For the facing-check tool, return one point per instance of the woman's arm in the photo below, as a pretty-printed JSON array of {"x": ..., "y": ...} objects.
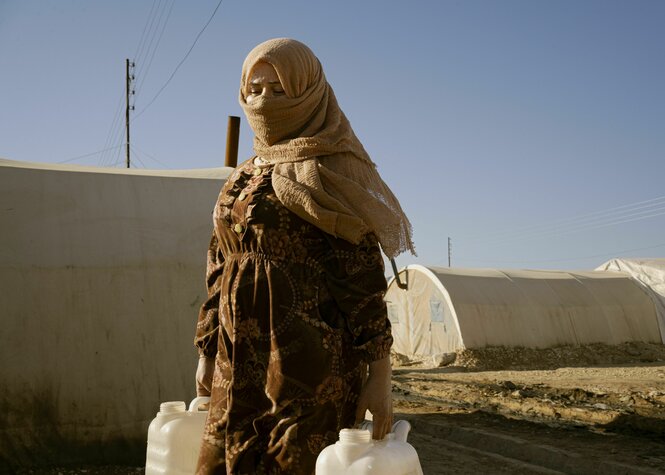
[
  {"x": 204, "y": 373},
  {"x": 356, "y": 280},
  {"x": 376, "y": 395},
  {"x": 207, "y": 327}
]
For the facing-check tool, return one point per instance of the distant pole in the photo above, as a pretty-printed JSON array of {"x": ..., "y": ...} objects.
[
  {"x": 232, "y": 135},
  {"x": 450, "y": 248},
  {"x": 129, "y": 78}
]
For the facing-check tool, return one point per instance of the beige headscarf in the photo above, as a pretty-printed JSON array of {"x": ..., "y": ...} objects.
[{"x": 322, "y": 173}]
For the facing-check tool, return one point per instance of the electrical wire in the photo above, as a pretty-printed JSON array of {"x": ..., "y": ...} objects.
[
  {"x": 137, "y": 157},
  {"x": 122, "y": 144},
  {"x": 114, "y": 164},
  {"x": 86, "y": 155},
  {"x": 155, "y": 30},
  {"x": 180, "y": 63},
  {"x": 646, "y": 214},
  {"x": 112, "y": 133},
  {"x": 564, "y": 221},
  {"x": 116, "y": 125},
  {"x": 118, "y": 139},
  {"x": 595, "y": 256},
  {"x": 149, "y": 156},
  {"x": 145, "y": 49},
  {"x": 148, "y": 31},
  {"x": 609, "y": 217},
  {"x": 144, "y": 72},
  {"x": 145, "y": 28},
  {"x": 156, "y": 20}
]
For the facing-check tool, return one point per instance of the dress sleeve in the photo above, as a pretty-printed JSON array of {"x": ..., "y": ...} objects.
[
  {"x": 356, "y": 280},
  {"x": 207, "y": 327}
]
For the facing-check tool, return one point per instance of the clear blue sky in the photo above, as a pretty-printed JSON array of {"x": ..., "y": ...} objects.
[{"x": 526, "y": 130}]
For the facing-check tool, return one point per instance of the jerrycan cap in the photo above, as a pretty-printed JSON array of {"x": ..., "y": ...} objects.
[
  {"x": 355, "y": 436},
  {"x": 172, "y": 407}
]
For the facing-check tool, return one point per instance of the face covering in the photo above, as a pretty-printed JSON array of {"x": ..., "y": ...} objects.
[{"x": 322, "y": 173}]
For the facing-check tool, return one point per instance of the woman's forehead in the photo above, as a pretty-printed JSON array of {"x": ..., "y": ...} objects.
[
  {"x": 263, "y": 71},
  {"x": 296, "y": 66}
]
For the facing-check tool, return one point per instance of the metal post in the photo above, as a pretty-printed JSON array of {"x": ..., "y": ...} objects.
[{"x": 232, "y": 135}]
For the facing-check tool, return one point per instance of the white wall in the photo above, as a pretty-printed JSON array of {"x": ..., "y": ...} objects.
[{"x": 101, "y": 277}]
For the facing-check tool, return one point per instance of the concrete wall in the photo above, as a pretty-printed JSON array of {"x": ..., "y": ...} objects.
[{"x": 101, "y": 277}]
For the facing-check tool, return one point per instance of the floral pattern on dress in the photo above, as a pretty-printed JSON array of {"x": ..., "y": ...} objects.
[{"x": 293, "y": 317}]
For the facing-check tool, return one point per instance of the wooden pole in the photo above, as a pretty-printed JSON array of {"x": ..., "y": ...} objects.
[
  {"x": 232, "y": 136},
  {"x": 450, "y": 249},
  {"x": 127, "y": 82}
]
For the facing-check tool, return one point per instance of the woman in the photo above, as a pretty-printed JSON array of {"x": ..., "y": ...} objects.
[{"x": 295, "y": 313}]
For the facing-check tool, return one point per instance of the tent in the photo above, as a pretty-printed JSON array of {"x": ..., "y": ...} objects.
[
  {"x": 443, "y": 310},
  {"x": 102, "y": 272},
  {"x": 650, "y": 273}
]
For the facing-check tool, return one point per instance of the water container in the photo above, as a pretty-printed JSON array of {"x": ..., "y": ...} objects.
[
  {"x": 174, "y": 438},
  {"x": 357, "y": 454}
]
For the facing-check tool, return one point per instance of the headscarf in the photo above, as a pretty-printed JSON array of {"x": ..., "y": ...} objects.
[{"x": 321, "y": 171}]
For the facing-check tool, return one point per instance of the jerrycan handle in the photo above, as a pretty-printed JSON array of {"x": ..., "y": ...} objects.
[
  {"x": 197, "y": 402},
  {"x": 399, "y": 431}
]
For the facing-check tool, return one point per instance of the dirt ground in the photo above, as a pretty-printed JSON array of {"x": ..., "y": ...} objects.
[
  {"x": 602, "y": 388},
  {"x": 580, "y": 410},
  {"x": 603, "y": 405}
]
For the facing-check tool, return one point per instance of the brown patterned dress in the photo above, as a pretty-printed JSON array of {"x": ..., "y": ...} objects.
[{"x": 293, "y": 317}]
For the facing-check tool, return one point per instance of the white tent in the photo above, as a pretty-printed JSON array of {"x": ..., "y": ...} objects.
[
  {"x": 102, "y": 273},
  {"x": 648, "y": 272},
  {"x": 445, "y": 310}
]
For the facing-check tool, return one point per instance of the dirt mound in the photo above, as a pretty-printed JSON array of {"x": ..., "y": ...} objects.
[
  {"x": 597, "y": 354},
  {"x": 496, "y": 358}
]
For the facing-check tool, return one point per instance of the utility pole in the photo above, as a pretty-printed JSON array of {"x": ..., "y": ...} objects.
[
  {"x": 450, "y": 248},
  {"x": 129, "y": 82}
]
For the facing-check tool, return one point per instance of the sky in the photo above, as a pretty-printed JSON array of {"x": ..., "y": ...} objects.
[{"x": 529, "y": 132}]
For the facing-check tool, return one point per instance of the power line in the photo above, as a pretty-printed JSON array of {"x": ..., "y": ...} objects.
[
  {"x": 116, "y": 129},
  {"x": 88, "y": 154},
  {"x": 564, "y": 221},
  {"x": 135, "y": 148},
  {"x": 114, "y": 164},
  {"x": 150, "y": 31},
  {"x": 144, "y": 73},
  {"x": 609, "y": 217},
  {"x": 147, "y": 28},
  {"x": 611, "y": 221},
  {"x": 110, "y": 137},
  {"x": 137, "y": 157},
  {"x": 595, "y": 256},
  {"x": 120, "y": 145},
  {"x": 181, "y": 61}
]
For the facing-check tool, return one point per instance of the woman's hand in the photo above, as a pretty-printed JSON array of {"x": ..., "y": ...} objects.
[
  {"x": 376, "y": 395},
  {"x": 204, "y": 373}
]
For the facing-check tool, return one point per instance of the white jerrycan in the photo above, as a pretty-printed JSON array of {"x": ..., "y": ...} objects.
[
  {"x": 174, "y": 438},
  {"x": 357, "y": 454}
]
